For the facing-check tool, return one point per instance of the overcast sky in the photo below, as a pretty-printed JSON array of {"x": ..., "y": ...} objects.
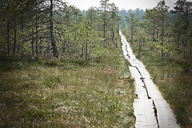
[{"x": 122, "y": 4}]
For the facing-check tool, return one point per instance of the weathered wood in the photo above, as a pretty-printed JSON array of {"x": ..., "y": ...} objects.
[
  {"x": 144, "y": 113},
  {"x": 140, "y": 91},
  {"x": 144, "y": 72},
  {"x": 166, "y": 118},
  {"x": 152, "y": 89},
  {"x": 140, "y": 63},
  {"x": 133, "y": 63},
  {"x": 148, "y": 95}
]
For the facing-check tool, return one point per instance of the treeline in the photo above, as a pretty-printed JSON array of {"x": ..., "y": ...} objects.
[
  {"x": 139, "y": 13},
  {"x": 53, "y": 28},
  {"x": 163, "y": 33},
  {"x": 125, "y": 13}
]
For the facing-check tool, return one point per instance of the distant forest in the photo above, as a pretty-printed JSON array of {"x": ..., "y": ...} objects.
[
  {"x": 138, "y": 12},
  {"x": 122, "y": 13}
]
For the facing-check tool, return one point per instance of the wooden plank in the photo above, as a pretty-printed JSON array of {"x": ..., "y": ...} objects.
[
  {"x": 134, "y": 72},
  {"x": 144, "y": 72},
  {"x": 140, "y": 91},
  {"x": 133, "y": 63},
  {"x": 140, "y": 63},
  {"x": 144, "y": 113},
  {"x": 165, "y": 115},
  {"x": 130, "y": 52},
  {"x": 146, "y": 126},
  {"x": 152, "y": 89}
]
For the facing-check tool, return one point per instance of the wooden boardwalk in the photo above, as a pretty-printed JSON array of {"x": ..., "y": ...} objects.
[{"x": 150, "y": 108}]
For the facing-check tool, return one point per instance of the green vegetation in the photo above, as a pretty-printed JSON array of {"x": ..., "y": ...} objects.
[
  {"x": 163, "y": 43},
  {"x": 174, "y": 83},
  {"x": 164, "y": 47},
  {"x": 66, "y": 92},
  {"x": 161, "y": 33},
  {"x": 53, "y": 29},
  {"x": 60, "y": 67}
]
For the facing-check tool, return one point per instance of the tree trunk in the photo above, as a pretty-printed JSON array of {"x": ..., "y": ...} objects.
[
  {"x": 132, "y": 31},
  {"x": 140, "y": 45},
  {"x": 162, "y": 43},
  {"x": 40, "y": 47},
  {"x": 112, "y": 35},
  {"x": 82, "y": 51},
  {"x": 8, "y": 27},
  {"x": 54, "y": 47},
  {"x": 153, "y": 35},
  {"x": 64, "y": 46},
  {"x": 184, "y": 50},
  {"x": 91, "y": 19},
  {"x": 22, "y": 42},
  {"x": 86, "y": 48},
  {"x": 32, "y": 42},
  {"x": 157, "y": 31},
  {"x": 104, "y": 26},
  {"x": 15, "y": 38},
  {"x": 36, "y": 34}
]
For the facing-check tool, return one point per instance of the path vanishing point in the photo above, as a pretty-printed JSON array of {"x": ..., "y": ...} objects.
[{"x": 150, "y": 108}]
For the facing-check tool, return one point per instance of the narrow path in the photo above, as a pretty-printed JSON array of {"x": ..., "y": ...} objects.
[{"x": 150, "y": 108}]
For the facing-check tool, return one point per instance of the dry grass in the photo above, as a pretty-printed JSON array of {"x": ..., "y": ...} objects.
[
  {"x": 176, "y": 86},
  {"x": 65, "y": 93}
]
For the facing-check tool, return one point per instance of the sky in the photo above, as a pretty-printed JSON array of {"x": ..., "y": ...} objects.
[{"x": 121, "y": 4}]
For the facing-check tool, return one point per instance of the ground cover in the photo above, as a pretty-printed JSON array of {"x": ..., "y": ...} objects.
[{"x": 66, "y": 92}]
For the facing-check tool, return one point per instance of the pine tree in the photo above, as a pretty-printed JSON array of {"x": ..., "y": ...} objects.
[
  {"x": 134, "y": 22},
  {"x": 162, "y": 10}
]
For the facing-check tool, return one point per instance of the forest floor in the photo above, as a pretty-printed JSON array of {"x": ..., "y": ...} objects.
[
  {"x": 174, "y": 83},
  {"x": 66, "y": 92}
]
